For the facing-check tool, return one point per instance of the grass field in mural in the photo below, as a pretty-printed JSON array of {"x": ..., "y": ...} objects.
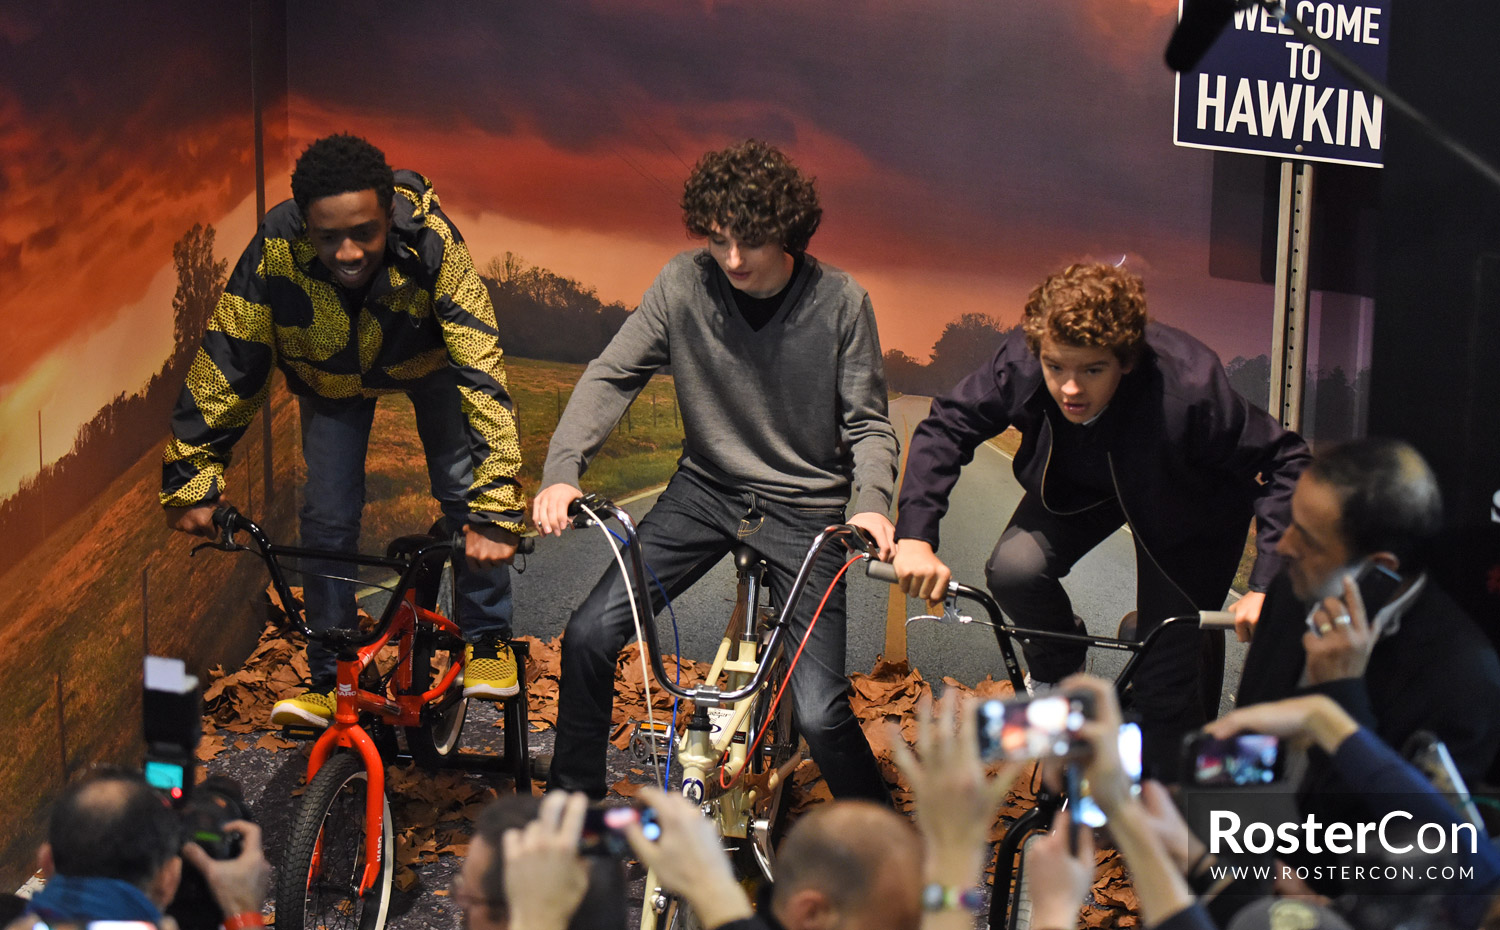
[
  {"x": 642, "y": 453},
  {"x": 72, "y": 610},
  {"x": 78, "y": 611}
]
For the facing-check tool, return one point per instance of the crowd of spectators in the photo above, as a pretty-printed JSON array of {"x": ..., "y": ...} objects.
[{"x": 1341, "y": 685}]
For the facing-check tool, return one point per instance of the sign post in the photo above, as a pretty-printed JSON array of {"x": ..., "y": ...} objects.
[{"x": 1261, "y": 89}]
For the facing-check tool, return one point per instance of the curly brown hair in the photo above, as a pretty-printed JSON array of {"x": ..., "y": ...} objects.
[
  {"x": 1091, "y": 304},
  {"x": 755, "y": 193}
]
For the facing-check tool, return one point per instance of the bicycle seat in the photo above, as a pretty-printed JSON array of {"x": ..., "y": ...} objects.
[{"x": 745, "y": 557}]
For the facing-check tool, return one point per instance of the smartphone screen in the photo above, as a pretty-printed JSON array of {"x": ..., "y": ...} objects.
[
  {"x": 602, "y": 829},
  {"x": 1244, "y": 759},
  {"x": 1088, "y": 813},
  {"x": 1031, "y": 728}
]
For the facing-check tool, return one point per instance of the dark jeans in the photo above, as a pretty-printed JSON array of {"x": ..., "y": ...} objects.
[
  {"x": 335, "y": 436},
  {"x": 691, "y": 527},
  {"x": 1024, "y": 574}
]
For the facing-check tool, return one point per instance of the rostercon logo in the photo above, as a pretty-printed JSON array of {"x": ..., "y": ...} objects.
[{"x": 1392, "y": 832}]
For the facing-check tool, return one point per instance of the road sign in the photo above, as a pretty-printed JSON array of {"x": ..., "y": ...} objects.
[{"x": 1261, "y": 89}]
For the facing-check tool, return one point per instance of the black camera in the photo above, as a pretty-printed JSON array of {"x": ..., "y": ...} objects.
[{"x": 173, "y": 720}]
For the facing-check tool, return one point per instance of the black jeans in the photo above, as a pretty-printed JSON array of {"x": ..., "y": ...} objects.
[
  {"x": 1039, "y": 548},
  {"x": 691, "y": 527}
]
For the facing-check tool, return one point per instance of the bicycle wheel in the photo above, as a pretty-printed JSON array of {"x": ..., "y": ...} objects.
[
  {"x": 317, "y": 887},
  {"x": 433, "y": 651}
]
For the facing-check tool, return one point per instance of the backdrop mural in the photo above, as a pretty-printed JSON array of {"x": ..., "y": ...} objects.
[{"x": 963, "y": 150}]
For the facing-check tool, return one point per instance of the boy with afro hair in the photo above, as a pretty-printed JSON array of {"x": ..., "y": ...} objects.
[
  {"x": 356, "y": 287},
  {"x": 783, "y": 398}
]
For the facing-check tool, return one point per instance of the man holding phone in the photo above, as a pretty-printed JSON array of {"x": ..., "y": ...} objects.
[{"x": 1353, "y": 615}]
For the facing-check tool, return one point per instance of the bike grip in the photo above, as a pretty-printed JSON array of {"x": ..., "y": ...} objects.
[
  {"x": 223, "y": 514},
  {"x": 526, "y": 546},
  {"x": 881, "y": 571},
  {"x": 1215, "y": 620}
]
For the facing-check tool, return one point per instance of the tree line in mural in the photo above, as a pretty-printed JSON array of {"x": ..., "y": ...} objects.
[{"x": 541, "y": 314}]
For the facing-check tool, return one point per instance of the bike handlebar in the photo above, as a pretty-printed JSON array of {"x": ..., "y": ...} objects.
[
  {"x": 230, "y": 522},
  {"x": 853, "y": 539},
  {"x": 1207, "y": 619},
  {"x": 1007, "y": 632}
]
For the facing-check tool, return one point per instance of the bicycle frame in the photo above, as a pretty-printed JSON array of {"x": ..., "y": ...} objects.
[
  {"x": 705, "y": 696},
  {"x": 745, "y": 661},
  {"x": 1006, "y": 634},
  {"x": 357, "y": 651}
]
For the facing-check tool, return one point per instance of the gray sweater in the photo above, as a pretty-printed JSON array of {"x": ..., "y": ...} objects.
[{"x": 792, "y": 412}]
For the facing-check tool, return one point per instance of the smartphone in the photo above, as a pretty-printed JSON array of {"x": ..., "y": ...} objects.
[
  {"x": 1240, "y": 760},
  {"x": 1376, "y": 583},
  {"x": 1377, "y": 586},
  {"x": 603, "y": 829},
  {"x": 1031, "y": 728},
  {"x": 1087, "y": 813}
]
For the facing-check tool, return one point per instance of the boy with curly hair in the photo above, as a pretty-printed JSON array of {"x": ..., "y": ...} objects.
[
  {"x": 782, "y": 391},
  {"x": 1122, "y": 421},
  {"x": 356, "y": 287}
]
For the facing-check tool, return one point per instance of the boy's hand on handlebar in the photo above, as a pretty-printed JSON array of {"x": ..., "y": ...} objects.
[
  {"x": 920, "y": 573},
  {"x": 549, "y": 509},
  {"x": 486, "y": 546},
  {"x": 880, "y": 529},
  {"x": 1246, "y": 612},
  {"x": 198, "y": 520}
]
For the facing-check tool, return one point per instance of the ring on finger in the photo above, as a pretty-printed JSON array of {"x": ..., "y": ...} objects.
[
  {"x": 1325, "y": 628},
  {"x": 1343, "y": 620}
]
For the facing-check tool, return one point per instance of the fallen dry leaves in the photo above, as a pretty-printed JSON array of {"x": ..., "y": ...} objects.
[{"x": 433, "y": 811}]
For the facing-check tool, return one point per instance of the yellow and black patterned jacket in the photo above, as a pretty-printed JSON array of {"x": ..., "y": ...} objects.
[{"x": 426, "y": 309}]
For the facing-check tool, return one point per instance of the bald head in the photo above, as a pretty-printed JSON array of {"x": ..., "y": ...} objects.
[
  {"x": 113, "y": 825},
  {"x": 862, "y": 860}
]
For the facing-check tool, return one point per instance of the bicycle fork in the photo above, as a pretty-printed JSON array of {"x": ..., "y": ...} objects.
[{"x": 346, "y": 732}]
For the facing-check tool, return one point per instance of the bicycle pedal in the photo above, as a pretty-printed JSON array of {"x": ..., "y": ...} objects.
[
  {"x": 301, "y": 733},
  {"x": 650, "y": 738}
]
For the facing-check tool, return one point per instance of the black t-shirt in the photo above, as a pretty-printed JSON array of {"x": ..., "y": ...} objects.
[
  {"x": 757, "y": 311},
  {"x": 1078, "y": 471}
]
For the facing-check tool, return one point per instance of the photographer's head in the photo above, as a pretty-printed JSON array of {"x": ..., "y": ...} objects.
[
  {"x": 479, "y": 887},
  {"x": 110, "y": 833},
  {"x": 849, "y": 864},
  {"x": 1370, "y": 498}
]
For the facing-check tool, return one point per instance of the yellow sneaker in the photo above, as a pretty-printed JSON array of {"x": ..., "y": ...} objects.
[
  {"x": 310, "y": 708},
  {"x": 490, "y": 670}
]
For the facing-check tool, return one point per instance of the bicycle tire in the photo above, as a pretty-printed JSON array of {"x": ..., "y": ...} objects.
[
  {"x": 1018, "y": 898},
  {"x": 328, "y": 829},
  {"x": 679, "y": 916},
  {"x": 442, "y": 724}
]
